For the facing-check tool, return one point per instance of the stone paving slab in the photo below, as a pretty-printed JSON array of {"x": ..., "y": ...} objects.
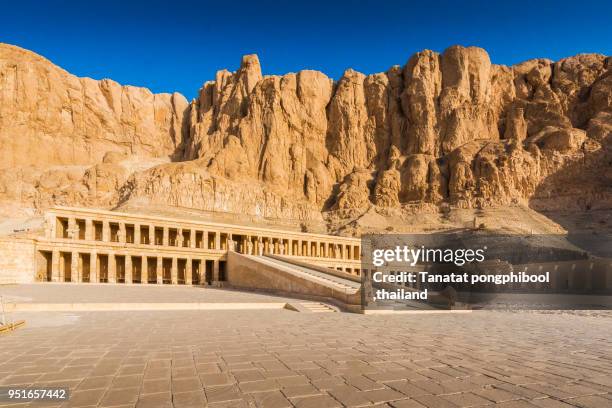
[
  {"x": 133, "y": 306},
  {"x": 128, "y": 293},
  {"x": 278, "y": 358}
]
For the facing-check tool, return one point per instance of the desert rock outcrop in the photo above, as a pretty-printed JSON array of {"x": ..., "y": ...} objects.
[{"x": 50, "y": 117}]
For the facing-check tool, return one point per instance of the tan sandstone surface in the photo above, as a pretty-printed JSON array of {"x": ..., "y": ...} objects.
[{"x": 444, "y": 141}]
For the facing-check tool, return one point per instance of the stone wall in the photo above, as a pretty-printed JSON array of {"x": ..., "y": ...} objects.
[
  {"x": 247, "y": 273},
  {"x": 17, "y": 261}
]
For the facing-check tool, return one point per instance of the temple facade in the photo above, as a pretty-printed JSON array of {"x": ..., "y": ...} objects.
[{"x": 87, "y": 245}]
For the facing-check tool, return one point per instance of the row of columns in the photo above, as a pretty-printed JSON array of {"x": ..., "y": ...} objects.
[
  {"x": 247, "y": 244},
  {"x": 74, "y": 226},
  {"x": 257, "y": 245},
  {"x": 104, "y": 265}
]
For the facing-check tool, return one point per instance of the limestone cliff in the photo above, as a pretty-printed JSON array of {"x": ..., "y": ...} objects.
[
  {"x": 50, "y": 117},
  {"x": 447, "y": 129}
]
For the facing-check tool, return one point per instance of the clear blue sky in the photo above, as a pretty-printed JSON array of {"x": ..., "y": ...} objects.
[{"x": 177, "y": 45}]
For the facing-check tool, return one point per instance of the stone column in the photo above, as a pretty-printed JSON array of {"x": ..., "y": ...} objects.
[
  {"x": 217, "y": 240},
  {"x": 205, "y": 239},
  {"x": 179, "y": 237},
  {"x": 215, "y": 271},
  {"x": 112, "y": 268},
  {"x": 75, "y": 275},
  {"x": 55, "y": 266},
  {"x": 160, "y": 271},
  {"x": 62, "y": 268},
  {"x": 144, "y": 271},
  {"x": 89, "y": 229},
  {"x": 105, "y": 231},
  {"x": 121, "y": 233},
  {"x": 192, "y": 238},
  {"x": 174, "y": 271},
  {"x": 93, "y": 267},
  {"x": 128, "y": 269},
  {"x": 137, "y": 234},
  {"x": 188, "y": 271},
  {"x": 151, "y": 234},
  {"x": 166, "y": 236},
  {"x": 608, "y": 271},
  {"x": 202, "y": 271},
  {"x": 73, "y": 229}
]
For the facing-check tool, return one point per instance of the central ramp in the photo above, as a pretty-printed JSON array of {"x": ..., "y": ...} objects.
[
  {"x": 315, "y": 274},
  {"x": 283, "y": 277}
]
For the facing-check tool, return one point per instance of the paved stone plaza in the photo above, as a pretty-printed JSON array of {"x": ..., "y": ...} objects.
[
  {"x": 280, "y": 358},
  {"x": 93, "y": 293}
]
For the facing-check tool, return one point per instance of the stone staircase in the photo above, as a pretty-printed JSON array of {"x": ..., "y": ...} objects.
[{"x": 315, "y": 307}]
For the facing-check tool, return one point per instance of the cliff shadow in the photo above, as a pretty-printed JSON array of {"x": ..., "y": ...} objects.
[{"x": 578, "y": 197}]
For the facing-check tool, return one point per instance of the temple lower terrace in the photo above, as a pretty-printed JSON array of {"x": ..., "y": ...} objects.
[{"x": 83, "y": 245}]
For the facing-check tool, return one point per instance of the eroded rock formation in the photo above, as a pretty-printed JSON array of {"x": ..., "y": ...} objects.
[{"x": 445, "y": 129}]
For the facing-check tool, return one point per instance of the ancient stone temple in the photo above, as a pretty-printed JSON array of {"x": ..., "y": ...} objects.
[{"x": 85, "y": 245}]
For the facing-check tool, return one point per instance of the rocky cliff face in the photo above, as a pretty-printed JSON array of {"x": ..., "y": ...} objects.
[
  {"x": 50, "y": 117},
  {"x": 446, "y": 129}
]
